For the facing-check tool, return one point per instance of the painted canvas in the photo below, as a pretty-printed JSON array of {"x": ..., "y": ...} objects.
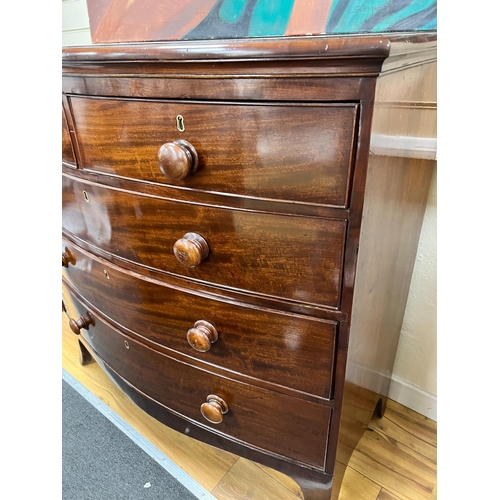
[{"x": 149, "y": 20}]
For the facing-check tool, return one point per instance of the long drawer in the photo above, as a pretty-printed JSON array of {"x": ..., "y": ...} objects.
[
  {"x": 284, "y": 349},
  {"x": 291, "y": 257},
  {"x": 287, "y": 152},
  {"x": 254, "y": 415}
]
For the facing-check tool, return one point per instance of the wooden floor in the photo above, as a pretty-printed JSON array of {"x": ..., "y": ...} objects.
[{"x": 395, "y": 459}]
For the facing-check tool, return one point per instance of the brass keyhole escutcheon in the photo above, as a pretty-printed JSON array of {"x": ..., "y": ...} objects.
[
  {"x": 106, "y": 274},
  {"x": 86, "y": 196},
  {"x": 180, "y": 123},
  {"x": 126, "y": 344}
]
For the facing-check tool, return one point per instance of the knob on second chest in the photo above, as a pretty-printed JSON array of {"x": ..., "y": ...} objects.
[
  {"x": 191, "y": 249},
  {"x": 82, "y": 322},
  {"x": 177, "y": 159},
  {"x": 214, "y": 409},
  {"x": 202, "y": 335}
]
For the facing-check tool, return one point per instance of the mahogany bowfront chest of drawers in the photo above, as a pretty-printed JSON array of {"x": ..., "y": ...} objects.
[{"x": 234, "y": 256}]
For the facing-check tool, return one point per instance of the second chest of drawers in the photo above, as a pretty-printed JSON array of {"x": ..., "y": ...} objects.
[{"x": 213, "y": 261}]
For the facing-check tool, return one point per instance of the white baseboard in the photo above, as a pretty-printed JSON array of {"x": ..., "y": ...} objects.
[{"x": 413, "y": 397}]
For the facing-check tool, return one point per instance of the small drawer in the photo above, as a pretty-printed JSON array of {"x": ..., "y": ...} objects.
[
  {"x": 291, "y": 257},
  {"x": 277, "y": 151},
  {"x": 68, "y": 156},
  {"x": 236, "y": 410},
  {"x": 284, "y": 349}
]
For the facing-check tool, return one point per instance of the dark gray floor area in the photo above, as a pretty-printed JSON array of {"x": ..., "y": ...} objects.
[{"x": 100, "y": 462}]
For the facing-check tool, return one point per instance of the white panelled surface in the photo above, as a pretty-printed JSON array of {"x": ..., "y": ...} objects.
[{"x": 75, "y": 23}]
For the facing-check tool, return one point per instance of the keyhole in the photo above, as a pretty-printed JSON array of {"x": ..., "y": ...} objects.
[
  {"x": 180, "y": 123},
  {"x": 86, "y": 196}
]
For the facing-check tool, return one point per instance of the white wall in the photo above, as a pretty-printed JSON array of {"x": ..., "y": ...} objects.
[
  {"x": 75, "y": 23},
  {"x": 414, "y": 381}
]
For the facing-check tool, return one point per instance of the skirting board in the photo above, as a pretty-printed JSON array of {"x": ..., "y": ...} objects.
[
  {"x": 398, "y": 389},
  {"x": 413, "y": 397}
]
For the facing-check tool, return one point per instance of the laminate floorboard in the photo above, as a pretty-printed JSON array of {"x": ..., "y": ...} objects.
[{"x": 395, "y": 459}]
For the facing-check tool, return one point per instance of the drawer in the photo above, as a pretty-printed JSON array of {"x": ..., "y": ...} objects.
[
  {"x": 68, "y": 155},
  {"x": 255, "y": 416},
  {"x": 291, "y": 257},
  {"x": 286, "y": 152},
  {"x": 284, "y": 349}
]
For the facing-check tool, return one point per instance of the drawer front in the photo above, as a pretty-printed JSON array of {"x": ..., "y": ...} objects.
[
  {"x": 279, "y": 151},
  {"x": 68, "y": 155},
  {"x": 270, "y": 421},
  {"x": 291, "y": 257},
  {"x": 283, "y": 349}
]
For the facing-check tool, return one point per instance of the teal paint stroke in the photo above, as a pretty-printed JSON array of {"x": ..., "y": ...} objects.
[
  {"x": 356, "y": 14},
  {"x": 232, "y": 10},
  {"x": 270, "y": 17},
  {"x": 410, "y": 10},
  {"x": 250, "y": 18},
  {"x": 430, "y": 26},
  {"x": 365, "y": 16}
]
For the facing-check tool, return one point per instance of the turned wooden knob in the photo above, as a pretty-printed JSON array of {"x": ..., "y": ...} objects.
[
  {"x": 202, "y": 336},
  {"x": 191, "y": 249},
  {"x": 177, "y": 159},
  {"x": 67, "y": 258},
  {"x": 82, "y": 322},
  {"x": 214, "y": 409}
]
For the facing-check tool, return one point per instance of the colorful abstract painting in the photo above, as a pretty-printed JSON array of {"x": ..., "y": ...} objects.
[{"x": 147, "y": 20}]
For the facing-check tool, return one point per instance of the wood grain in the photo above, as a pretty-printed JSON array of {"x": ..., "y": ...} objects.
[
  {"x": 68, "y": 154},
  {"x": 415, "y": 425},
  {"x": 201, "y": 87},
  {"x": 273, "y": 151},
  {"x": 255, "y": 415},
  {"x": 408, "y": 432},
  {"x": 246, "y": 480},
  {"x": 282, "y": 479},
  {"x": 208, "y": 465},
  {"x": 357, "y": 486},
  {"x": 386, "y": 495},
  {"x": 309, "y": 252},
  {"x": 374, "y": 47},
  {"x": 298, "y": 258},
  {"x": 394, "y": 466},
  {"x": 205, "y": 464},
  {"x": 259, "y": 343},
  {"x": 395, "y": 200}
]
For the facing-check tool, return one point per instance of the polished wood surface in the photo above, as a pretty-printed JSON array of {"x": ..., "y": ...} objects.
[
  {"x": 67, "y": 257},
  {"x": 264, "y": 344},
  {"x": 256, "y": 415},
  {"x": 179, "y": 158},
  {"x": 68, "y": 154},
  {"x": 264, "y": 253},
  {"x": 214, "y": 409},
  {"x": 191, "y": 249},
  {"x": 394, "y": 199},
  {"x": 286, "y": 217},
  {"x": 359, "y": 46},
  {"x": 284, "y": 152},
  {"x": 76, "y": 324},
  {"x": 370, "y": 474},
  {"x": 202, "y": 336}
]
